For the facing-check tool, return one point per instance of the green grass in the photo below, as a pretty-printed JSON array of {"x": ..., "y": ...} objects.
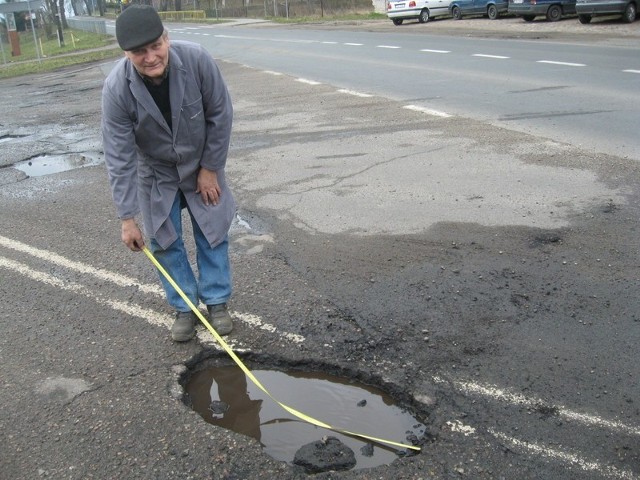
[{"x": 79, "y": 47}]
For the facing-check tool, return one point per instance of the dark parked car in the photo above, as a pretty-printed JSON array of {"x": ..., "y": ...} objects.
[
  {"x": 554, "y": 10},
  {"x": 587, "y": 9},
  {"x": 490, "y": 8}
]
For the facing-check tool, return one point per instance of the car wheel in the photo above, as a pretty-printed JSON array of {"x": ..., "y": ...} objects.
[
  {"x": 554, "y": 13},
  {"x": 492, "y": 12},
  {"x": 456, "y": 13},
  {"x": 629, "y": 13},
  {"x": 424, "y": 16},
  {"x": 397, "y": 21},
  {"x": 584, "y": 19},
  {"x": 528, "y": 18}
]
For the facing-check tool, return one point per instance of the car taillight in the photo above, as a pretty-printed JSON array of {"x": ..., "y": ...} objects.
[{"x": 412, "y": 3}]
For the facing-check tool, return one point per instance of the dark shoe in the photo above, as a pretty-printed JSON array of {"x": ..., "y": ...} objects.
[
  {"x": 184, "y": 327},
  {"x": 220, "y": 319}
]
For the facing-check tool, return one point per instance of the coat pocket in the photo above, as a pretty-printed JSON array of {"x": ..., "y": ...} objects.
[{"x": 193, "y": 121}]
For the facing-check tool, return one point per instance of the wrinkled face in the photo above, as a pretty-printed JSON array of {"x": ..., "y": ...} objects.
[{"x": 151, "y": 60}]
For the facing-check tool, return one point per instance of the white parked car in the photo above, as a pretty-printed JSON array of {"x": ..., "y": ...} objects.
[{"x": 423, "y": 10}]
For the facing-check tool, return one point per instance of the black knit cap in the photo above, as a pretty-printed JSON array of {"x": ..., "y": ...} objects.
[{"x": 137, "y": 26}]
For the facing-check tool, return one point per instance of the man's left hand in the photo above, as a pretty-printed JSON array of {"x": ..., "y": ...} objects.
[{"x": 208, "y": 187}]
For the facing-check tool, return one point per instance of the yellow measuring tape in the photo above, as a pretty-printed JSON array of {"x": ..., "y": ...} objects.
[{"x": 248, "y": 373}]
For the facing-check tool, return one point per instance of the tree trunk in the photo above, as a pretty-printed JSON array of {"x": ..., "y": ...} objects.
[
  {"x": 178, "y": 5},
  {"x": 87, "y": 4},
  {"x": 63, "y": 16}
]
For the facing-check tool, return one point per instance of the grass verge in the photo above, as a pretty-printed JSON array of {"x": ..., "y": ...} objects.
[{"x": 45, "y": 53}]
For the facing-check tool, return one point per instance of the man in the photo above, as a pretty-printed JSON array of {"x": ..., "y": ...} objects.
[{"x": 166, "y": 128}]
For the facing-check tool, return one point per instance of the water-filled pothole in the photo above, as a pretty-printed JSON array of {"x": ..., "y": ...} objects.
[
  {"x": 48, "y": 164},
  {"x": 223, "y": 396}
]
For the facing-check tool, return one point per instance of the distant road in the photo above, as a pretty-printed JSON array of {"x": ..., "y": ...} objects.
[{"x": 584, "y": 94}]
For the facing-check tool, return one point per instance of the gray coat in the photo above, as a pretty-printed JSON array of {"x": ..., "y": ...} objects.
[{"x": 148, "y": 163}]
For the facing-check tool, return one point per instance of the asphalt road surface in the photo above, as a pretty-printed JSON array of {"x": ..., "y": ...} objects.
[{"x": 484, "y": 277}]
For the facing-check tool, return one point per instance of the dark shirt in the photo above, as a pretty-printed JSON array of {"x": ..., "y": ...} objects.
[{"x": 160, "y": 94}]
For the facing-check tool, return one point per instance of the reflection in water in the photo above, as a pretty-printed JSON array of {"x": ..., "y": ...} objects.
[
  {"x": 224, "y": 397},
  {"x": 229, "y": 386}
]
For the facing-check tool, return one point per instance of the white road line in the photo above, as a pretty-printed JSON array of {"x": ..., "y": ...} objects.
[
  {"x": 506, "y": 396},
  {"x": 271, "y": 72},
  {"x": 354, "y": 44},
  {"x": 568, "y": 64},
  {"x": 117, "y": 279},
  {"x": 150, "y": 316},
  {"x": 120, "y": 280},
  {"x": 357, "y": 94},
  {"x": 428, "y": 50},
  {"x": 587, "y": 465},
  {"x": 308, "y": 82},
  {"x": 428, "y": 111},
  {"x": 387, "y": 46},
  {"x": 330, "y": 43},
  {"x": 154, "y": 318},
  {"x": 631, "y": 71},
  {"x": 488, "y": 56}
]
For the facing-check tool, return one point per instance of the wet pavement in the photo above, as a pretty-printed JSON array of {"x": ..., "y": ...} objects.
[{"x": 509, "y": 324}]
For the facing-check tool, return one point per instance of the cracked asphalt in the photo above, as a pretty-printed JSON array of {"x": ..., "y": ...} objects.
[{"x": 500, "y": 307}]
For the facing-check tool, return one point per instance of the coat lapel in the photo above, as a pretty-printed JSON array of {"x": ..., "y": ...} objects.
[
  {"x": 177, "y": 82},
  {"x": 144, "y": 98}
]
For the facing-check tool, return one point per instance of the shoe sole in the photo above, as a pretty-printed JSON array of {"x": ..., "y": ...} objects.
[{"x": 183, "y": 337}]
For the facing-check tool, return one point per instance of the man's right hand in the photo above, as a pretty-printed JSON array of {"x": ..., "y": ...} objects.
[{"x": 131, "y": 235}]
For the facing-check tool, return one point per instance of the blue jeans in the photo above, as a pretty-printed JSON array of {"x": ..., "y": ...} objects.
[{"x": 214, "y": 280}]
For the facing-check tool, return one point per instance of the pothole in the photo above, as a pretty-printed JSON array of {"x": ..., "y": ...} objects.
[
  {"x": 48, "y": 164},
  {"x": 223, "y": 396}
]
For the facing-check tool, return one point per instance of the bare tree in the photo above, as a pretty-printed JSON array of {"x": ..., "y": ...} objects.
[
  {"x": 63, "y": 16},
  {"x": 52, "y": 6},
  {"x": 101, "y": 7}
]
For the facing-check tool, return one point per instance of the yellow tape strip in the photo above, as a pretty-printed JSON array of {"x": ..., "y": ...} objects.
[{"x": 248, "y": 373}]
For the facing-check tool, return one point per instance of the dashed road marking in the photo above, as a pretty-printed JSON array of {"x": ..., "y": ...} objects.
[
  {"x": 354, "y": 93},
  {"x": 568, "y": 64},
  {"x": 428, "y": 50},
  {"x": 387, "y": 46},
  {"x": 308, "y": 82},
  {"x": 428, "y": 111},
  {"x": 483, "y": 55}
]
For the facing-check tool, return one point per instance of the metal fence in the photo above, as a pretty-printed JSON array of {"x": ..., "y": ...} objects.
[
  {"x": 275, "y": 8},
  {"x": 88, "y": 25}
]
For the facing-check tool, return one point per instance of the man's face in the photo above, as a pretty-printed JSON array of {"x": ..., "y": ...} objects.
[{"x": 151, "y": 60}]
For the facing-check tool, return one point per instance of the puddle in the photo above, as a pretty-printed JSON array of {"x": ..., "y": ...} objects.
[
  {"x": 223, "y": 396},
  {"x": 48, "y": 164}
]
